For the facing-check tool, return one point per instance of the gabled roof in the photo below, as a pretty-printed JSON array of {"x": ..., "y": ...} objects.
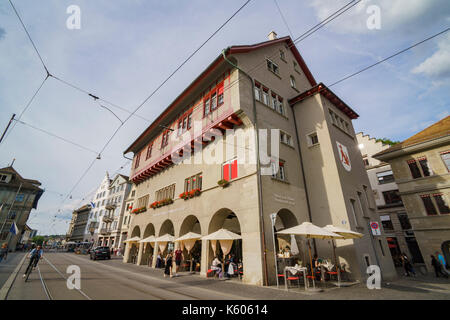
[
  {"x": 437, "y": 130},
  {"x": 330, "y": 95},
  {"x": 216, "y": 63},
  {"x": 17, "y": 179}
]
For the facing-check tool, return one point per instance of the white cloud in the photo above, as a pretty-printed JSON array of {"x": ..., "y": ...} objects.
[
  {"x": 394, "y": 14},
  {"x": 438, "y": 65}
]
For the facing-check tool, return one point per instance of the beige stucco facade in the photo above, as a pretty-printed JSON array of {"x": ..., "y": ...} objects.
[
  {"x": 431, "y": 230},
  {"x": 244, "y": 207}
]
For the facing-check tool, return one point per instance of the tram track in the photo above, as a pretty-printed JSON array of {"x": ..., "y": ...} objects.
[{"x": 46, "y": 290}]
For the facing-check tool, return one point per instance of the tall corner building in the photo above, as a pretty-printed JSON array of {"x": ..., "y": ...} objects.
[{"x": 195, "y": 169}]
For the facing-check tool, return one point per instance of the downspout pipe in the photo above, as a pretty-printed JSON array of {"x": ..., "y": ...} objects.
[{"x": 258, "y": 168}]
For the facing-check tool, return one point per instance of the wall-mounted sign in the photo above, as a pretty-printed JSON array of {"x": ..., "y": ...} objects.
[
  {"x": 375, "y": 228},
  {"x": 344, "y": 156}
]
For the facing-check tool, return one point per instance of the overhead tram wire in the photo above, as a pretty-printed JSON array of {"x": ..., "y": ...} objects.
[
  {"x": 26, "y": 107},
  {"x": 282, "y": 17},
  {"x": 390, "y": 57},
  {"x": 157, "y": 89},
  {"x": 56, "y": 136}
]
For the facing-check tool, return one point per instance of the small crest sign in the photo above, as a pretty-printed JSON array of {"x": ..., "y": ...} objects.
[{"x": 344, "y": 156}]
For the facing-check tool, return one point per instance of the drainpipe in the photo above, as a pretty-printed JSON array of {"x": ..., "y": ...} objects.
[
  {"x": 303, "y": 176},
  {"x": 261, "y": 220}
]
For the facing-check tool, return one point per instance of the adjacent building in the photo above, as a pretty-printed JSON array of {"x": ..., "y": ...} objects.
[
  {"x": 392, "y": 214},
  {"x": 111, "y": 232},
  {"x": 18, "y": 196},
  {"x": 98, "y": 209},
  {"x": 200, "y": 166},
  {"x": 80, "y": 219},
  {"x": 421, "y": 167}
]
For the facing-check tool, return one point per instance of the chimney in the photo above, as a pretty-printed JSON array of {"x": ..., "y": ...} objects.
[{"x": 272, "y": 35}]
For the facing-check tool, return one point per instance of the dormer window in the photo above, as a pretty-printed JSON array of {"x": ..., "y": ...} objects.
[{"x": 273, "y": 67}]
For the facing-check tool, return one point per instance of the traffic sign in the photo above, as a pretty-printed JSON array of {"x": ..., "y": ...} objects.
[{"x": 375, "y": 228}]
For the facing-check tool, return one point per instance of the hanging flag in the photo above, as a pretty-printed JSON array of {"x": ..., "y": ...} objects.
[
  {"x": 92, "y": 204},
  {"x": 14, "y": 230}
]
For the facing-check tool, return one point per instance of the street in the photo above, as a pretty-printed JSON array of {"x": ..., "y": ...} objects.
[{"x": 114, "y": 280}]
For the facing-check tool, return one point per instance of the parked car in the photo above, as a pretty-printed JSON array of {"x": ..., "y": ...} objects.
[{"x": 100, "y": 252}]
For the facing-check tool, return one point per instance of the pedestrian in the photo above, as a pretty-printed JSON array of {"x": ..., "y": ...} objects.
[
  {"x": 178, "y": 258},
  {"x": 168, "y": 268},
  {"x": 3, "y": 251},
  {"x": 407, "y": 266},
  {"x": 441, "y": 259},
  {"x": 437, "y": 267}
]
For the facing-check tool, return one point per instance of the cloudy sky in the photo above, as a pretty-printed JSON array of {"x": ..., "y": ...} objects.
[{"x": 124, "y": 50}]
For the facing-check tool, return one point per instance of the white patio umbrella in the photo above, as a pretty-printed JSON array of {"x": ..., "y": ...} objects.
[
  {"x": 148, "y": 240},
  {"x": 163, "y": 240},
  {"x": 188, "y": 240},
  {"x": 309, "y": 230},
  {"x": 134, "y": 239},
  {"x": 226, "y": 238},
  {"x": 346, "y": 234}
]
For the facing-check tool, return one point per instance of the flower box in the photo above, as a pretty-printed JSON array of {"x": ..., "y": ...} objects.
[
  {"x": 161, "y": 203},
  {"x": 223, "y": 183},
  {"x": 139, "y": 210},
  {"x": 190, "y": 194}
]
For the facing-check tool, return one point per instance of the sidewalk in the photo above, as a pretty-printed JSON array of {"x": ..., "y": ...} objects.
[{"x": 421, "y": 287}]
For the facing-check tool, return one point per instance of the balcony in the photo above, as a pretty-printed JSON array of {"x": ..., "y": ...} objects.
[
  {"x": 108, "y": 218},
  {"x": 111, "y": 206},
  {"x": 105, "y": 232}
]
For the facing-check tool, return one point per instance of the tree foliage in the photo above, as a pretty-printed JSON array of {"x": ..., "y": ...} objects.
[{"x": 387, "y": 141}]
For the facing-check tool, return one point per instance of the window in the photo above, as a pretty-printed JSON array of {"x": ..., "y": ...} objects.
[
  {"x": 353, "y": 208},
  {"x": 274, "y": 101},
  {"x": 265, "y": 96},
  {"x": 422, "y": 171},
  {"x": 424, "y": 165},
  {"x": 257, "y": 91},
  {"x": 282, "y": 55},
  {"x": 280, "y": 105},
  {"x": 165, "y": 193},
  {"x": 165, "y": 138},
  {"x": 442, "y": 206},
  {"x": 136, "y": 163},
  {"x": 391, "y": 197},
  {"x": 296, "y": 66},
  {"x": 429, "y": 207},
  {"x": 133, "y": 192},
  {"x": 230, "y": 170},
  {"x": 19, "y": 197},
  {"x": 360, "y": 200},
  {"x": 189, "y": 120},
  {"x": 272, "y": 66},
  {"x": 143, "y": 201},
  {"x": 404, "y": 221},
  {"x": 192, "y": 183},
  {"x": 446, "y": 158},
  {"x": 12, "y": 215},
  {"x": 285, "y": 138},
  {"x": 385, "y": 177},
  {"x": 281, "y": 173},
  {"x": 293, "y": 82},
  {"x": 3, "y": 177},
  {"x": 213, "y": 99},
  {"x": 366, "y": 161},
  {"x": 312, "y": 139},
  {"x": 386, "y": 222}
]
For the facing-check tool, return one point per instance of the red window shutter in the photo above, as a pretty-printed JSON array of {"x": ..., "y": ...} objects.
[
  {"x": 234, "y": 169},
  {"x": 226, "y": 171},
  {"x": 220, "y": 88}
]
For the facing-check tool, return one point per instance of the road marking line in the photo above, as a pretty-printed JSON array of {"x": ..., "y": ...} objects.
[
  {"x": 8, "y": 284},
  {"x": 51, "y": 264}
]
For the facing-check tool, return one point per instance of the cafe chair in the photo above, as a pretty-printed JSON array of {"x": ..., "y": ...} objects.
[{"x": 291, "y": 277}]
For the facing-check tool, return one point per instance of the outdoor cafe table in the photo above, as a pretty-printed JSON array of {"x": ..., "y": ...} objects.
[{"x": 294, "y": 270}]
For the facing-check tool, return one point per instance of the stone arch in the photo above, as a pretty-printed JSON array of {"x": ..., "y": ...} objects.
[
  {"x": 147, "y": 253},
  {"x": 226, "y": 219},
  {"x": 190, "y": 224},
  {"x": 134, "y": 246},
  {"x": 149, "y": 231},
  {"x": 166, "y": 227},
  {"x": 136, "y": 232}
]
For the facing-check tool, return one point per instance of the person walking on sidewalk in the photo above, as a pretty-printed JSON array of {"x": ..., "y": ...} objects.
[
  {"x": 3, "y": 251},
  {"x": 178, "y": 257},
  {"x": 168, "y": 268},
  {"x": 437, "y": 267},
  {"x": 407, "y": 265}
]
